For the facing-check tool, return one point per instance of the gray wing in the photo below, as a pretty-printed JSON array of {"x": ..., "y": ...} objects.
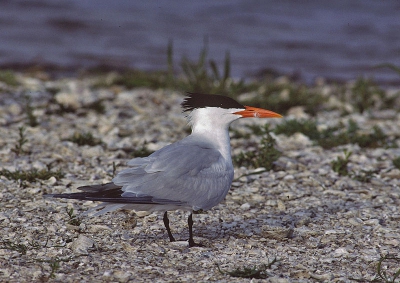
[{"x": 192, "y": 173}]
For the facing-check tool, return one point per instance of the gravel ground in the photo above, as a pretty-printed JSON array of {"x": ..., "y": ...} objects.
[{"x": 319, "y": 226}]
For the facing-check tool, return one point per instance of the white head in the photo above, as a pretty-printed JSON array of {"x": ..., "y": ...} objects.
[{"x": 211, "y": 111}]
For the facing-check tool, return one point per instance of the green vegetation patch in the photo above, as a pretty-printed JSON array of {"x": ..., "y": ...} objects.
[
  {"x": 142, "y": 151},
  {"x": 281, "y": 97},
  {"x": 396, "y": 162},
  {"x": 365, "y": 94},
  {"x": 31, "y": 175},
  {"x": 340, "y": 164},
  {"x": 201, "y": 75},
  {"x": 387, "y": 270},
  {"x": 73, "y": 220},
  {"x": 336, "y": 135},
  {"x": 22, "y": 140},
  {"x": 264, "y": 156},
  {"x": 84, "y": 138},
  {"x": 8, "y": 77},
  {"x": 256, "y": 272}
]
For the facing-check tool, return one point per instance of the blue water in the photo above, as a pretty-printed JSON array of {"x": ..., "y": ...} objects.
[{"x": 340, "y": 39}]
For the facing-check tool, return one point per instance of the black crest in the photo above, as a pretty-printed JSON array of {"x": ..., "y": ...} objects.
[{"x": 199, "y": 100}]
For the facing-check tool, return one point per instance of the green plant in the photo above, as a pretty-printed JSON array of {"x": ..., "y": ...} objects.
[
  {"x": 84, "y": 138},
  {"x": 8, "y": 77},
  {"x": 97, "y": 106},
  {"x": 22, "y": 248},
  {"x": 264, "y": 156},
  {"x": 382, "y": 273},
  {"x": 54, "y": 263},
  {"x": 255, "y": 272},
  {"x": 32, "y": 120},
  {"x": 114, "y": 169},
  {"x": 382, "y": 270},
  {"x": 73, "y": 220},
  {"x": 142, "y": 151},
  {"x": 18, "y": 247},
  {"x": 280, "y": 97},
  {"x": 199, "y": 79},
  {"x": 390, "y": 66},
  {"x": 292, "y": 126},
  {"x": 366, "y": 94},
  {"x": 21, "y": 141},
  {"x": 135, "y": 78},
  {"x": 201, "y": 76},
  {"x": 364, "y": 176},
  {"x": 31, "y": 175},
  {"x": 396, "y": 162},
  {"x": 340, "y": 164},
  {"x": 335, "y": 135}
]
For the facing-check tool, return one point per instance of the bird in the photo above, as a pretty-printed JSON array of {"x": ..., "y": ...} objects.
[{"x": 192, "y": 174}]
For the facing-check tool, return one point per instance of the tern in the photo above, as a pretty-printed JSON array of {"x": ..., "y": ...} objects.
[{"x": 192, "y": 174}]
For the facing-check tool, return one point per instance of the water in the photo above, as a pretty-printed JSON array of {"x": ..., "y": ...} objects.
[{"x": 339, "y": 40}]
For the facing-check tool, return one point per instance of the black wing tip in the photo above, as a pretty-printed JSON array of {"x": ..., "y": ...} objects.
[
  {"x": 79, "y": 196},
  {"x": 116, "y": 197}
]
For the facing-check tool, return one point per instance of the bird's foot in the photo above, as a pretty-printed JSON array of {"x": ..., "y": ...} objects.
[{"x": 193, "y": 244}]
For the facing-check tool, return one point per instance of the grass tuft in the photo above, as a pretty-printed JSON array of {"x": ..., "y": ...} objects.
[
  {"x": 365, "y": 94},
  {"x": 8, "y": 77},
  {"x": 254, "y": 272},
  {"x": 382, "y": 273},
  {"x": 31, "y": 175},
  {"x": 22, "y": 140},
  {"x": 73, "y": 220},
  {"x": 201, "y": 76},
  {"x": 84, "y": 138},
  {"x": 18, "y": 247},
  {"x": 396, "y": 162},
  {"x": 340, "y": 164},
  {"x": 97, "y": 106},
  {"x": 32, "y": 120},
  {"x": 364, "y": 176},
  {"x": 281, "y": 97},
  {"x": 335, "y": 135},
  {"x": 382, "y": 268},
  {"x": 143, "y": 151},
  {"x": 306, "y": 127},
  {"x": 264, "y": 156}
]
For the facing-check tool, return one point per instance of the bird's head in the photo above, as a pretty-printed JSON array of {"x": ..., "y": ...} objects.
[{"x": 218, "y": 106}]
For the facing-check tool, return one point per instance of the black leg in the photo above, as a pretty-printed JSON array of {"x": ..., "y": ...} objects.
[
  {"x": 166, "y": 223},
  {"x": 191, "y": 241}
]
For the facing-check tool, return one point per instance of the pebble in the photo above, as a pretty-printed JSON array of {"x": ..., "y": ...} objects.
[
  {"x": 81, "y": 245},
  {"x": 321, "y": 226}
]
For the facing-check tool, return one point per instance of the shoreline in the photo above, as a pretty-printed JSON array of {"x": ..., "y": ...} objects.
[{"x": 55, "y": 71}]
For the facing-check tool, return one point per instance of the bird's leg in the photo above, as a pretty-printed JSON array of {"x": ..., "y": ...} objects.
[
  {"x": 191, "y": 241},
  {"x": 166, "y": 223}
]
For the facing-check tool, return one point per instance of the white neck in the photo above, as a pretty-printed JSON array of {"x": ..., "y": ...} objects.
[{"x": 212, "y": 124}]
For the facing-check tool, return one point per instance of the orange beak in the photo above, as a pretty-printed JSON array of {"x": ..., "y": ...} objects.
[{"x": 253, "y": 112}]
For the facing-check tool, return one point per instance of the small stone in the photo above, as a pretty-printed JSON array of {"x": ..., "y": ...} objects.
[
  {"x": 122, "y": 276},
  {"x": 51, "y": 181},
  {"x": 278, "y": 233},
  {"x": 98, "y": 228},
  {"x": 355, "y": 221},
  {"x": 340, "y": 252},
  {"x": 372, "y": 222},
  {"x": 245, "y": 206},
  {"x": 81, "y": 245},
  {"x": 394, "y": 174}
]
